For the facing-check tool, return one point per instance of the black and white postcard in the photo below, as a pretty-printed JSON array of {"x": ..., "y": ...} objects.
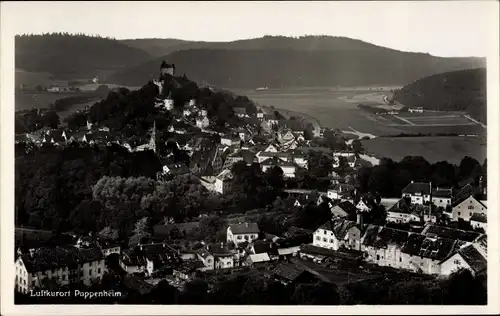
[{"x": 249, "y": 157}]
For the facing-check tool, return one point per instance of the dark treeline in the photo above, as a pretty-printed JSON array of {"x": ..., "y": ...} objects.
[
  {"x": 463, "y": 90},
  {"x": 389, "y": 177},
  {"x": 76, "y": 56},
  {"x": 254, "y": 289}
]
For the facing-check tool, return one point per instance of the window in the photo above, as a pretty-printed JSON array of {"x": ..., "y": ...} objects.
[
  {"x": 378, "y": 257},
  {"x": 246, "y": 237},
  {"x": 331, "y": 240},
  {"x": 239, "y": 237},
  {"x": 324, "y": 239},
  {"x": 318, "y": 238},
  {"x": 458, "y": 213},
  {"x": 471, "y": 207},
  {"x": 400, "y": 260},
  {"x": 90, "y": 271},
  {"x": 324, "y": 232},
  {"x": 64, "y": 277},
  {"x": 98, "y": 270},
  {"x": 441, "y": 201}
]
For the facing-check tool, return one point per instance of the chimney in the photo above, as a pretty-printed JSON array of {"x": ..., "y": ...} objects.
[{"x": 359, "y": 219}]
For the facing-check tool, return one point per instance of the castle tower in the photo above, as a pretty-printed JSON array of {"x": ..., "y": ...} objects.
[{"x": 152, "y": 140}]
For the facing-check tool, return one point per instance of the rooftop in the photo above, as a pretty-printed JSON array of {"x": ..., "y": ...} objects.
[
  {"x": 433, "y": 230},
  {"x": 244, "y": 228},
  {"x": 50, "y": 258},
  {"x": 418, "y": 187}
]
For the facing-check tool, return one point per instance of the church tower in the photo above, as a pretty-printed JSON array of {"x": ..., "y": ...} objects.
[{"x": 152, "y": 140}]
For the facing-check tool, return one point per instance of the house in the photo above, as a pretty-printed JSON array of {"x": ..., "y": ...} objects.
[
  {"x": 467, "y": 257},
  {"x": 205, "y": 257},
  {"x": 262, "y": 246},
  {"x": 464, "y": 208},
  {"x": 239, "y": 233},
  {"x": 288, "y": 168},
  {"x": 364, "y": 205},
  {"x": 64, "y": 265},
  {"x": 344, "y": 209},
  {"x": 109, "y": 248},
  {"x": 241, "y": 155},
  {"x": 479, "y": 220},
  {"x": 418, "y": 192},
  {"x": 400, "y": 213},
  {"x": 187, "y": 270},
  {"x": 224, "y": 181},
  {"x": 441, "y": 197},
  {"x": 149, "y": 258},
  {"x": 400, "y": 249},
  {"x": 159, "y": 256},
  {"x": 271, "y": 148},
  {"x": 202, "y": 122},
  {"x": 223, "y": 257},
  {"x": 337, "y": 233},
  {"x": 175, "y": 169}
]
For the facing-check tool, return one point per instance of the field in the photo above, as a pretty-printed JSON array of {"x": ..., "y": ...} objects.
[
  {"x": 433, "y": 149},
  {"x": 337, "y": 108}
]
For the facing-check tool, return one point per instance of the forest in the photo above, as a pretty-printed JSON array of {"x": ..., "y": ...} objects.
[
  {"x": 463, "y": 90},
  {"x": 74, "y": 56}
]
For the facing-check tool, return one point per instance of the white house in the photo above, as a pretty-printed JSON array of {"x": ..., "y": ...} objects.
[
  {"x": 206, "y": 258},
  {"x": 479, "y": 221},
  {"x": 467, "y": 257},
  {"x": 223, "y": 257},
  {"x": 186, "y": 112},
  {"x": 271, "y": 148},
  {"x": 223, "y": 182},
  {"x": 442, "y": 197},
  {"x": 288, "y": 168},
  {"x": 336, "y": 233},
  {"x": 419, "y": 192},
  {"x": 465, "y": 208},
  {"x": 401, "y": 213},
  {"x": 65, "y": 265},
  {"x": 239, "y": 233}
]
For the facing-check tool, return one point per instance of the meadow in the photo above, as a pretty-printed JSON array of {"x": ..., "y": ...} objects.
[{"x": 335, "y": 108}]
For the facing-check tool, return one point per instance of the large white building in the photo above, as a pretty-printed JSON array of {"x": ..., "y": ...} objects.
[
  {"x": 62, "y": 265},
  {"x": 239, "y": 233},
  {"x": 418, "y": 192}
]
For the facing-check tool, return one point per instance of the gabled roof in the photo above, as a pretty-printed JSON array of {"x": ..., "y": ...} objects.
[
  {"x": 418, "y": 187},
  {"x": 400, "y": 207},
  {"x": 442, "y": 193},
  {"x": 275, "y": 161},
  {"x": 218, "y": 250},
  {"x": 347, "y": 207},
  {"x": 475, "y": 260},
  {"x": 479, "y": 217},
  {"x": 244, "y": 228},
  {"x": 380, "y": 237},
  {"x": 433, "y": 248},
  {"x": 432, "y": 230},
  {"x": 339, "y": 227},
  {"x": 50, "y": 258}
]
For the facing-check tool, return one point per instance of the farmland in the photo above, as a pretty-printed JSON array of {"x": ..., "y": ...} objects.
[
  {"x": 337, "y": 108},
  {"x": 433, "y": 149}
]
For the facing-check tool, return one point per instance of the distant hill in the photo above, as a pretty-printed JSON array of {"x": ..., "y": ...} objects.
[
  {"x": 65, "y": 55},
  {"x": 287, "y": 62},
  {"x": 463, "y": 90},
  {"x": 162, "y": 47}
]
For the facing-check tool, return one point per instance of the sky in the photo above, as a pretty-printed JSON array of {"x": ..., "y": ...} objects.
[{"x": 441, "y": 28}]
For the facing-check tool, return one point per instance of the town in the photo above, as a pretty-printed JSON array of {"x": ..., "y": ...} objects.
[{"x": 297, "y": 174}]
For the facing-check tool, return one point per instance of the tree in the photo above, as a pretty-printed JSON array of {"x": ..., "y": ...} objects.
[
  {"x": 195, "y": 292},
  {"x": 467, "y": 166},
  {"x": 357, "y": 146},
  {"x": 212, "y": 226},
  {"x": 320, "y": 293}
]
